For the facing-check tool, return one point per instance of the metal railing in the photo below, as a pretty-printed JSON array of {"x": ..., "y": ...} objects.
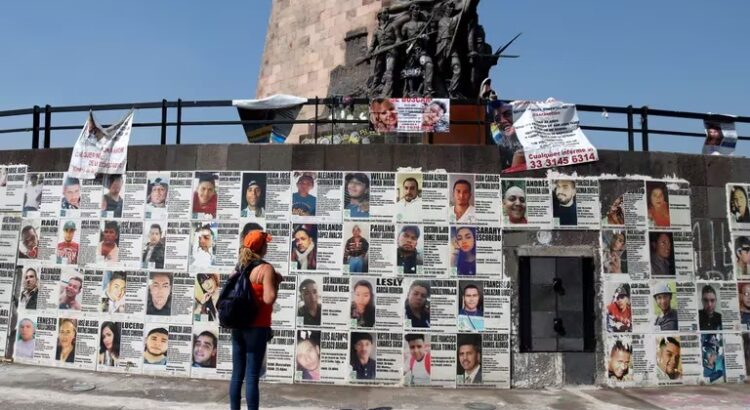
[{"x": 39, "y": 129}]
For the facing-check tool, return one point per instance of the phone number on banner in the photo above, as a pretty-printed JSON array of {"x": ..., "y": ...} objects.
[{"x": 549, "y": 160}]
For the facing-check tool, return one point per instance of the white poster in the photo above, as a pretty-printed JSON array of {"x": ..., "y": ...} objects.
[
  {"x": 13, "y": 187},
  {"x": 100, "y": 150}
]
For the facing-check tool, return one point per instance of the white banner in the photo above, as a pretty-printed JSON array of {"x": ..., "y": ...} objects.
[{"x": 101, "y": 150}]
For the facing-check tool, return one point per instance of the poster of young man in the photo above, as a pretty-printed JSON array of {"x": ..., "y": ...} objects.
[
  {"x": 123, "y": 294},
  {"x": 738, "y": 207},
  {"x": 68, "y": 242},
  {"x": 740, "y": 255},
  {"x": 28, "y": 240},
  {"x": 417, "y": 359},
  {"x": 323, "y": 301},
  {"x": 487, "y": 200},
  {"x": 155, "y": 349},
  {"x": 381, "y": 248},
  {"x": 356, "y": 196},
  {"x": 136, "y": 195},
  {"x": 678, "y": 359},
  {"x": 179, "y": 348},
  {"x": 625, "y": 255},
  {"x": 178, "y": 307},
  {"x": 180, "y": 194},
  {"x": 304, "y": 248},
  {"x": 417, "y": 304},
  {"x": 204, "y": 247},
  {"x": 278, "y": 196},
  {"x": 435, "y": 198},
  {"x": 409, "y": 250},
  {"x": 444, "y": 305},
  {"x": 10, "y": 226},
  {"x": 153, "y": 245},
  {"x": 32, "y": 195},
  {"x": 304, "y": 196},
  {"x": 211, "y": 353},
  {"x": 382, "y": 196},
  {"x": 30, "y": 286},
  {"x": 471, "y": 306},
  {"x": 158, "y": 195},
  {"x": 108, "y": 247},
  {"x": 495, "y": 301},
  {"x": 462, "y": 208},
  {"x": 280, "y": 359},
  {"x": 639, "y": 300},
  {"x": 363, "y": 358},
  {"x": 526, "y": 203},
  {"x": 443, "y": 354},
  {"x": 575, "y": 203},
  {"x": 112, "y": 191},
  {"x": 205, "y": 198},
  {"x": 13, "y": 184},
  {"x": 719, "y": 307},
  {"x": 279, "y": 248},
  {"x": 253, "y": 193},
  {"x": 70, "y": 204},
  {"x": 356, "y": 248},
  {"x": 70, "y": 293},
  {"x": 229, "y": 193},
  {"x": 630, "y": 360},
  {"x": 409, "y": 197}
]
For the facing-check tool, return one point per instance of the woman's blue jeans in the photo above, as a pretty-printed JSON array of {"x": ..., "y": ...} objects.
[{"x": 248, "y": 349}]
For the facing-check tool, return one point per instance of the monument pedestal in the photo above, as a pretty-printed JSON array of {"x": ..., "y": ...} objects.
[{"x": 467, "y": 134}]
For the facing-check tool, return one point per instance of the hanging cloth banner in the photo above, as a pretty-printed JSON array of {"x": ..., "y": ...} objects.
[
  {"x": 278, "y": 107},
  {"x": 721, "y": 136},
  {"x": 550, "y": 134},
  {"x": 101, "y": 150}
]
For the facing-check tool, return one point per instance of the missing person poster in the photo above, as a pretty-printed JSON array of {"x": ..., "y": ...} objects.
[
  {"x": 436, "y": 241},
  {"x": 409, "y": 197},
  {"x": 678, "y": 359},
  {"x": 158, "y": 197},
  {"x": 47, "y": 242},
  {"x": 170, "y": 357},
  {"x": 526, "y": 203},
  {"x": 136, "y": 195},
  {"x": 13, "y": 187},
  {"x": 45, "y": 341},
  {"x": 211, "y": 351},
  {"x": 623, "y": 203},
  {"x": 484, "y": 306},
  {"x": 370, "y": 248},
  {"x": 410, "y": 114},
  {"x": 278, "y": 197},
  {"x": 389, "y": 362},
  {"x": 32, "y": 195},
  {"x": 90, "y": 200},
  {"x": 323, "y": 301},
  {"x": 206, "y": 291},
  {"x": 128, "y": 356},
  {"x": 123, "y": 294},
  {"x": 203, "y": 248},
  {"x": 170, "y": 297},
  {"x": 205, "y": 200},
  {"x": 178, "y": 195},
  {"x": 410, "y": 250},
  {"x": 357, "y": 196},
  {"x": 734, "y": 359},
  {"x": 550, "y": 134},
  {"x": 71, "y": 202},
  {"x": 575, "y": 203},
  {"x": 280, "y": 358},
  {"x": 322, "y": 356},
  {"x": 443, "y": 351},
  {"x": 316, "y": 248},
  {"x": 668, "y": 205},
  {"x": 382, "y": 196},
  {"x": 285, "y": 307},
  {"x": 48, "y": 290},
  {"x": 435, "y": 199},
  {"x": 444, "y": 305},
  {"x": 462, "y": 200},
  {"x": 363, "y": 357},
  {"x": 418, "y": 304},
  {"x": 279, "y": 247},
  {"x": 85, "y": 342},
  {"x": 487, "y": 199},
  {"x": 111, "y": 195},
  {"x": 90, "y": 236},
  {"x": 417, "y": 359},
  {"x": 721, "y": 137},
  {"x": 228, "y": 192},
  {"x": 741, "y": 255},
  {"x": 738, "y": 207},
  {"x": 317, "y": 196},
  {"x": 389, "y": 304},
  {"x": 629, "y": 360},
  {"x": 719, "y": 307},
  {"x": 10, "y": 226},
  {"x": 625, "y": 254},
  {"x": 669, "y": 304},
  {"x": 155, "y": 348},
  {"x": 489, "y": 255}
]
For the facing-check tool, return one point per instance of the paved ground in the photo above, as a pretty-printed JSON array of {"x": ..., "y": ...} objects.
[{"x": 28, "y": 387}]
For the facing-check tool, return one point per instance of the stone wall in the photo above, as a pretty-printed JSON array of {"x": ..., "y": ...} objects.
[{"x": 706, "y": 174}]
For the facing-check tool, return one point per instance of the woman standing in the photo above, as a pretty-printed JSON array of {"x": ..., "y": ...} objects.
[{"x": 249, "y": 344}]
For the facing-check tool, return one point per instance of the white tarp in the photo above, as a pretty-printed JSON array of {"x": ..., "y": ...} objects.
[{"x": 101, "y": 150}]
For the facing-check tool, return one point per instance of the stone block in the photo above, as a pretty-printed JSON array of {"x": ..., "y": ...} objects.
[
  {"x": 43, "y": 160},
  {"x": 62, "y": 162},
  {"x": 440, "y": 157},
  {"x": 212, "y": 157},
  {"x": 343, "y": 157},
  {"x": 308, "y": 157},
  {"x": 719, "y": 171},
  {"x": 276, "y": 157},
  {"x": 609, "y": 163},
  {"x": 662, "y": 164},
  {"x": 150, "y": 158},
  {"x": 406, "y": 155},
  {"x": 717, "y": 202},
  {"x": 480, "y": 159},
  {"x": 691, "y": 168},
  {"x": 579, "y": 368},
  {"x": 376, "y": 157},
  {"x": 698, "y": 201},
  {"x": 181, "y": 157},
  {"x": 243, "y": 157},
  {"x": 634, "y": 163}
]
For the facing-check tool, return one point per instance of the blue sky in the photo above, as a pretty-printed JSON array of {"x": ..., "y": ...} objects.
[{"x": 681, "y": 55}]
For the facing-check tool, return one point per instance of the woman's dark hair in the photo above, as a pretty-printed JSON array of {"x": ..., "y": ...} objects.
[
  {"x": 115, "y": 328},
  {"x": 369, "y": 314},
  {"x": 651, "y": 186}
]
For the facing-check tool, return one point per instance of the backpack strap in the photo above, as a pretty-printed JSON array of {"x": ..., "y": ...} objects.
[{"x": 252, "y": 265}]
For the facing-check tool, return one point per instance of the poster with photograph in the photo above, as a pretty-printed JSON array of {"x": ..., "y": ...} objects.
[
  {"x": 462, "y": 201},
  {"x": 625, "y": 254},
  {"x": 417, "y": 359},
  {"x": 68, "y": 242},
  {"x": 30, "y": 286},
  {"x": 526, "y": 204},
  {"x": 492, "y": 311},
  {"x": 383, "y": 196},
  {"x": 203, "y": 250},
  {"x": 369, "y": 248},
  {"x": 90, "y": 198},
  {"x": 70, "y": 194},
  {"x": 488, "y": 250},
  {"x": 180, "y": 195},
  {"x": 280, "y": 358},
  {"x": 153, "y": 244},
  {"x": 734, "y": 359},
  {"x": 279, "y": 248},
  {"x": 410, "y": 250},
  {"x": 743, "y": 289},
  {"x": 443, "y": 350},
  {"x": 668, "y": 204},
  {"x": 322, "y": 356},
  {"x": 13, "y": 187},
  {"x": 32, "y": 195},
  {"x": 285, "y": 308},
  {"x": 575, "y": 203},
  {"x": 305, "y": 248},
  {"x": 721, "y": 137},
  {"x": 111, "y": 196},
  {"x": 409, "y": 197},
  {"x": 304, "y": 196},
  {"x": 672, "y": 307},
  {"x": 24, "y": 342},
  {"x": 410, "y": 114},
  {"x": 623, "y": 203},
  {"x": 738, "y": 207},
  {"x": 437, "y": 251},
  {"x": 10, "y": 226},
  {"x": 128, "y": 356},
  {"x": 123, "y": 294},
  {"x": 323, "y": 301},
  {"x": 487, "y": 200},
  {"x": 211, "y": 356},
  {"x": 357, "y": 200},
  {"x": 470, "y": 371},
  {"x": 278, "y": 199},
  {"x": 629, "y": 360},
  {"x": 158, "y": 196},
  {"x": 156, "y": 349},
  {"x": 363, "y": 358},
  {"x": 205, "y": 200},
  {"x": 741, "y": 254},
  {"x": 317, "y": 196},
  {"x": 417, "y": 304},
  {"x": 70, "y": 291},
  {"x": 719, "y": 306},
  {"x": 29, "y": 240},
  {"x": 108, "y": 247},
  {"x": 678, "y": 359},
  {"x": 253, "y": 193}
]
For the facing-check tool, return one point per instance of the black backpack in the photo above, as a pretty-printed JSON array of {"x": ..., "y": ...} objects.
[{"x": 237, "y": 305}]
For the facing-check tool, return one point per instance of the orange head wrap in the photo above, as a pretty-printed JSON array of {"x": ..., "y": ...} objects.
[{"x": 256, "y": 240}]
